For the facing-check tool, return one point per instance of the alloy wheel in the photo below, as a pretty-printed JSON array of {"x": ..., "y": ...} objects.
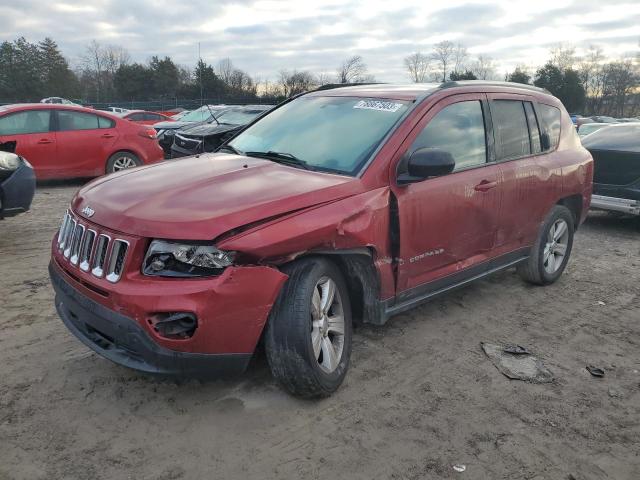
[
  {"x": 556, "y": 247},
  {"x": 327, "y": 324},
  {"x": 122, "y": 163}
]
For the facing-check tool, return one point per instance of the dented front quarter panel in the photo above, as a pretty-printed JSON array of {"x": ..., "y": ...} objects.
[{"x": 360, "y": 221}]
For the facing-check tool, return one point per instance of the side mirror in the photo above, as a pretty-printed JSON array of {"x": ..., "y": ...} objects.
[
  {"x": 545, "y": 141},
  {"x": 425, "y": 163}
]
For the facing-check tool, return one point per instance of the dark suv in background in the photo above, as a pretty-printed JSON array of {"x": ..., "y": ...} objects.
[{"x": 341, "y": 205}]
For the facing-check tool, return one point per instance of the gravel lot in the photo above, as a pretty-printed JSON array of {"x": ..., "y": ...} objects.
[{"x": 420, "y": 396}]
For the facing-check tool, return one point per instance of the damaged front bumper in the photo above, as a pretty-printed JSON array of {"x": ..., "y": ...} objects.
[{"x": 231, "y": 312}]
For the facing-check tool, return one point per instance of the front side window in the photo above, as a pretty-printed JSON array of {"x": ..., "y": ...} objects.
[
  {"x": 29, "y": 121},
  {"x": 550, "y": 123},
  {"x": 510, "y": 129},
  {"x": 72, "y": 120},
  {"x": 333, "y": 134},
  {"x": 458, "y": 129}
]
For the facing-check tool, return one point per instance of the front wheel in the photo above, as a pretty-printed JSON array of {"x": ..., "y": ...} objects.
[
  {"x": 308, "y": 337},
  {"x": 550, "y": 253},
  {"x": 122, "y": 161}
]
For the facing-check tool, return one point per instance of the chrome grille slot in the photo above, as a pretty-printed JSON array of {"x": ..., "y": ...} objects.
[
  {"x": 100, "y": 255},
  {"x": 85, "y": 250},
  {"x": 78, "y": 235},
  {"x": 116, "y": 260},
  {"x": 68, "y": 238},
  {"x": 66, "y": 232},
  {"x": 63, "y": 229}
]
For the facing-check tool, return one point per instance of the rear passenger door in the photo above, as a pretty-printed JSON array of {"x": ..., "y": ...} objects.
[
  {"x": 529, "y": 177},
  {"x": 85, "y": 141},
  {"x": 447, "y": 224}
]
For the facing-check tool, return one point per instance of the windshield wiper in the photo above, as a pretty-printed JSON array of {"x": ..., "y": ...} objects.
[{"x": 281, "y": 157}]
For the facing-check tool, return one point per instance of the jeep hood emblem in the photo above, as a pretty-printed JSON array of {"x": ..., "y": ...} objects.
[{"x": 88, "y": 211}]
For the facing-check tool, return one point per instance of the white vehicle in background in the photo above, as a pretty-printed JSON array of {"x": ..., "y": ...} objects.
[
  {"x": 59, "y": 100},
  {"x": 117, "y": 110}
]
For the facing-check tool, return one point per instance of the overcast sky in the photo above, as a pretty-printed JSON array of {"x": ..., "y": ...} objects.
[{"x": 263, "y": 37}]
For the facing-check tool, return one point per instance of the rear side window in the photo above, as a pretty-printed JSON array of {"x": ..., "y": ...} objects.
[
  {"x": 71, "y": 120},
  {"x": 458, "y": 129},
  {"x": 136, "y": 117},
  {"x": 153, "y": 117},
  {"x": 534, "y": 129},
  {"x": 550, "y": 123},
  {"x": 29, "y": 121},
  {"x": 510, "y": 129}
]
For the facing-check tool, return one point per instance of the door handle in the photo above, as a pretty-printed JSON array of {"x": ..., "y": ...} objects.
[
  {"x": 485, "y": 185},
  {"x": 44, "y": 141},
  {"x": 107, "y": 135}
]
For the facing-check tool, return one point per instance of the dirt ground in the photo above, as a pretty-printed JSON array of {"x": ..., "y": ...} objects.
[{"x": 419, "y": 398}]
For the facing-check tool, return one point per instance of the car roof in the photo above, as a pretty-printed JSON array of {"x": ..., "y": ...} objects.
[
  {"x": 414, "y": 91},
  {"x": 16, "y": 107}
]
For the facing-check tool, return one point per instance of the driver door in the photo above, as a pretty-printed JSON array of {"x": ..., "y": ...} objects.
[{"x": 447, "y": 224}]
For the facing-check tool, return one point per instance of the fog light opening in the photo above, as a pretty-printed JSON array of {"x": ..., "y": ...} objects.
[{"x": 174, "y": 325}]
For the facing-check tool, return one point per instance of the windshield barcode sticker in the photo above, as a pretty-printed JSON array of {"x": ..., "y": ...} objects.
[{"x": 378, "y": 105}]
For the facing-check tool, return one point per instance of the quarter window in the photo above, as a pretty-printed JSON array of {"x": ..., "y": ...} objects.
[
  {"x": 534, "y": 130},
  {"x": 29, "y": 121},
  {"x": 550, "y": 124},
  {"x": 104, "y": 122},
  {"x": 458, "y": 129},
  {"x": 510, "y": 129}
]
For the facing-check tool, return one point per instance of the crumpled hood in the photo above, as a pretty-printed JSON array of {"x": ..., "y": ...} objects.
[
  {"x": 206, "y": 129},
  {"x": 200, "y": 198}
]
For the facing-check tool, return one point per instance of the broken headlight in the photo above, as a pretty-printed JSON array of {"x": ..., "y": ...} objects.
[{"x": 174, "y": 259}]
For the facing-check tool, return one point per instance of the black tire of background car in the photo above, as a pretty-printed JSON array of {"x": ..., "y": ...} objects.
[
  {"x": 533, "y": 270},
  {"x": 288, "y": 332},
  {"x": 117, "y": 155}
]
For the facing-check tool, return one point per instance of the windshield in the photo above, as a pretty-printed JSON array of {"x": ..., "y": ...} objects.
[
  {"x": 200, "y": 115},
  {"x": 335, "y": 134},
  {"x": 238, "y": 117}
]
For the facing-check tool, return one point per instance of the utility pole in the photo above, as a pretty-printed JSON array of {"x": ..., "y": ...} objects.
[{"x": 200, "y": 75}]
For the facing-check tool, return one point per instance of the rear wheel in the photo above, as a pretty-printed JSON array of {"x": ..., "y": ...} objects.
[
  {"x": 550, "y": 253},
  {"x": 122, "y": 161},
  {"x": 308, "y": 337}
]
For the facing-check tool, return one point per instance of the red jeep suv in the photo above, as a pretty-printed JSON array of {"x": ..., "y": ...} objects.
[{"x": 341, "y": 205}]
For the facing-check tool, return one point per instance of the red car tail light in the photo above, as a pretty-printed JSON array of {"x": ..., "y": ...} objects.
[{"x": 148, "y": 133}]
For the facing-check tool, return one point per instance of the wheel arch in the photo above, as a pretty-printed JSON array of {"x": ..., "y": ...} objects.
[
  {"x": 357, "y": 266},
  {"x": 574, "y": 204}
]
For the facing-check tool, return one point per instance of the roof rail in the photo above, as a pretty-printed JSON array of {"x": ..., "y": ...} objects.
[
  {"x": 492, "y": 83},
  {"x": 329, "y": 86}
]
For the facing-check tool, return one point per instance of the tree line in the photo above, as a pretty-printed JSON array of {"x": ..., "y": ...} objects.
[{"x": 588, "y": 84}]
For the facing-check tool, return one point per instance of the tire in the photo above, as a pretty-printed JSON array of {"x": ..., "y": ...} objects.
[
  {"x": 291, "y": 330},
  {"x": 551, "y": 251},
  {"x": 122, "y": 161}
]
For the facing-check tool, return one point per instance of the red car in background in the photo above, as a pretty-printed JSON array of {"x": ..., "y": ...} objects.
[
  {"x": 143, "y": 117},
  {"x": 65, "y": 141}
]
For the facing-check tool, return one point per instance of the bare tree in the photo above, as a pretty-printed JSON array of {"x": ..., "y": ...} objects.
[
  {"x": 484, "y": 68},
  {"x": 99, "y": 65},
  {"x": 563, "y": 57},
  {"x": 459, "y": 58},
  {"x": 443, "y": 54},
  {"x": 224, "y": 70},
  {"x": 296, "y": 82},
  {"x": 324, "y": 78},
  {"x": 352, "y": 70},
  {"x": 417, "y": 66}
]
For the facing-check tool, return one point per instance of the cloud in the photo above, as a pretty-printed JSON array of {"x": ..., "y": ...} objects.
[{"x": 265, "y": 36}]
